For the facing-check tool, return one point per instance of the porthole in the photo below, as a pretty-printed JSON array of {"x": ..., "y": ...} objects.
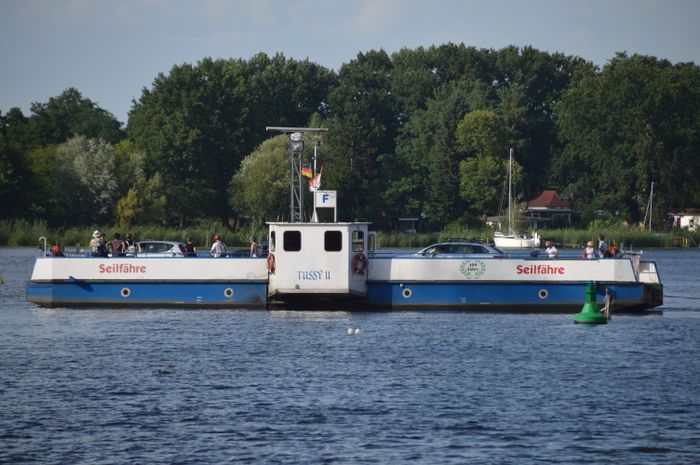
[
  {"x": 407, "y": 293},
  {"x": 228, "y": 292},
  {"x": 126, "y": 292},
  {"x": 543, "y": 294}
]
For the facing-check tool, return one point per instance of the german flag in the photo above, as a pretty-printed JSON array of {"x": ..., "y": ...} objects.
[{"x": 306, "y": 170}]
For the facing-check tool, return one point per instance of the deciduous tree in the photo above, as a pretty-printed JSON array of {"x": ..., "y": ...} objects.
[{"x": 260, "y": 188}]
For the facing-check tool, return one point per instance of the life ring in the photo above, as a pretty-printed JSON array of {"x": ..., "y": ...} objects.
[
  {"x": 359, "y": 263},
  {"x": 271, "y": 263}
]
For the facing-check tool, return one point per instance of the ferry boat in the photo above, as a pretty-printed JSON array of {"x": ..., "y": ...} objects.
[{"x": 337, "y": 265}]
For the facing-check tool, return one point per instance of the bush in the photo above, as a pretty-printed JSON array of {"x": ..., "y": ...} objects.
[{"x": 17, "y": 233}]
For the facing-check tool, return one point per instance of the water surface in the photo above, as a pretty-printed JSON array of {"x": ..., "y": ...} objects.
[{"x": 162, "y": 386}]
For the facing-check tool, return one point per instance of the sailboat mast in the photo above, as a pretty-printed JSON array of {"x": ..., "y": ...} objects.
[
  {"x": 510, "y": 193},
  {"x": 651, "y": 203}
]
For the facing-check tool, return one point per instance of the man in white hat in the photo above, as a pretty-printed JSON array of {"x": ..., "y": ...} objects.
[
  {"x": 95, "y": 241},
  {"x": 98, "y": 245}
]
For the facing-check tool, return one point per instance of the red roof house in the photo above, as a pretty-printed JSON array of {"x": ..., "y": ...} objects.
[{"x": 547, "y": 207}]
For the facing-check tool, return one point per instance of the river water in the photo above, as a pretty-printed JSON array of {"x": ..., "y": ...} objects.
[{"x": 171, "y": 386}]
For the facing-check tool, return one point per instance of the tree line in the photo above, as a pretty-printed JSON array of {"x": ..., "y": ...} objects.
[{"x": 422, "y": 132}]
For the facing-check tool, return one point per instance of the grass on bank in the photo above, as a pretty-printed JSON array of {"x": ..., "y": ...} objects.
[{"x": 22, "y": 233}]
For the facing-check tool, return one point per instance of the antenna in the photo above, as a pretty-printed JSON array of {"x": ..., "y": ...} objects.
[{"x": 296, "y": 148}]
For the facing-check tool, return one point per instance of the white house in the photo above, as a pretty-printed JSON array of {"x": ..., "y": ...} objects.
[{"x": 686, "y": 219}]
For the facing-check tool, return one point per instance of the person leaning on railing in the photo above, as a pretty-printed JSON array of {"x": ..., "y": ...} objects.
[{"x": 218, "y": 248}]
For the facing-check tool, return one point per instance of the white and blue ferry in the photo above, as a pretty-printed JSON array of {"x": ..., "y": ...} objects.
[{"x": 337, "y": 265}]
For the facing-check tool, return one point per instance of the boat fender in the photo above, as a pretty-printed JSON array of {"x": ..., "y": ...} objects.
[
  {"x": 271, "y": 263},
  {"x": 359, "y": 263}
]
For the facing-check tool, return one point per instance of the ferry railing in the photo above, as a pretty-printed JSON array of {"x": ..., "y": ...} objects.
[{"x": 42, "y": 238}]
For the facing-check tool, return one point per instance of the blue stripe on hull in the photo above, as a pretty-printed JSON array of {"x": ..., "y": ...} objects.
[
  {"x": 505, "y": 296},
  {"x": 187, "y": 294}
]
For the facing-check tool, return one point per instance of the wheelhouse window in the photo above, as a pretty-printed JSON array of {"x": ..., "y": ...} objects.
[
  {"x": 358, "y": 241},
  {"x": 333, "y": 241},
  {"x": 372, "y": 242},
  {"x": 292, "y": 241}
]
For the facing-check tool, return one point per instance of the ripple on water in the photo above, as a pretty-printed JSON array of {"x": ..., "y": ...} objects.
[{"x": 163, "y": 386}]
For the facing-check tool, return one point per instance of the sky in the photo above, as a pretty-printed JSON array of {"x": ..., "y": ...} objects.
[{"x": 110, "y": 50}]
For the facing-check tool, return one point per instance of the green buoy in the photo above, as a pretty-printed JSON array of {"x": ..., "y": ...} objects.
[{"x": 590, "y": 315}]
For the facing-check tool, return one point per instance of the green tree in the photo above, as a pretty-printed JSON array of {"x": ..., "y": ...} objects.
[
  {"x": 530, "y": 85},
  {"x": 481, "y": 133},
  {"x": 191, "y": 126},
  {"x": 483, "y": 184},
  {"x": 363, "y": 126},
  {"x": 129, "y": 166},
  {"x": 633, "y": 123},
  {"x": 86, "y": 170},
  {"x": 197, "y": 123},
  {"x": 261, "y": 185},
  {"x": 424, "y": 171},
  {"x": 45, "y": 200},
  {"x": 16, "y": 130},
  {"x": 9, "y": 185},
  {"x": 16, "y": 179},
  {"x": 283, "y": 92},
  {"x": 141, "y": 198},
  {"x": 143, "y": 203},
  {"x": 68, "y": 115}
]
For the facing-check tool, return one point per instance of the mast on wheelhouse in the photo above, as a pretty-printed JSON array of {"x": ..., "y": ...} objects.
[{"x": 296, "y": 184}]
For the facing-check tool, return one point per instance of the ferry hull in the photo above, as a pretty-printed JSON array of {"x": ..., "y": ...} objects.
[
  {"x": 510, "y": 297},
  {"x": 124, "y": 281},
  {"x": 141, "y": 294},
  {"x": 511, "y": 284}
]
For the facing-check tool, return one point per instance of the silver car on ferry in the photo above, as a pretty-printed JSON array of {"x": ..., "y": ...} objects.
[{"x": 458, "y": 249}]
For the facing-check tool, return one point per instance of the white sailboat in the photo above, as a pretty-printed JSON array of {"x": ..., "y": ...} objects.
[{"x": 513, "y": 240}]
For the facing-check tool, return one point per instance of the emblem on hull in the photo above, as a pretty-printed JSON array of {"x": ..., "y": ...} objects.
[{"x": 472, "y": 269}]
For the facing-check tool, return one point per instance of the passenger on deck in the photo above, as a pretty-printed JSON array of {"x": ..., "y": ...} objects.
[
  {"x": 613, "y": 250},
  {"x": 603, "y": 247},
  {"x": 116, "y": 245},
  {"x": 190, "y": 249},
  {"x": 94, "y": 242},
  {"x": 98, "y": 245},
  {"x": 551, "y": 251},
  {"x": 57, "y": 251},
  {"x": 103, "y": 247},
  {"x": 590, "y": 252},
  {"x": 130, "y": 245},
  {"x": 254, "y": 247},
  {"x": 218, "y": 248}
]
